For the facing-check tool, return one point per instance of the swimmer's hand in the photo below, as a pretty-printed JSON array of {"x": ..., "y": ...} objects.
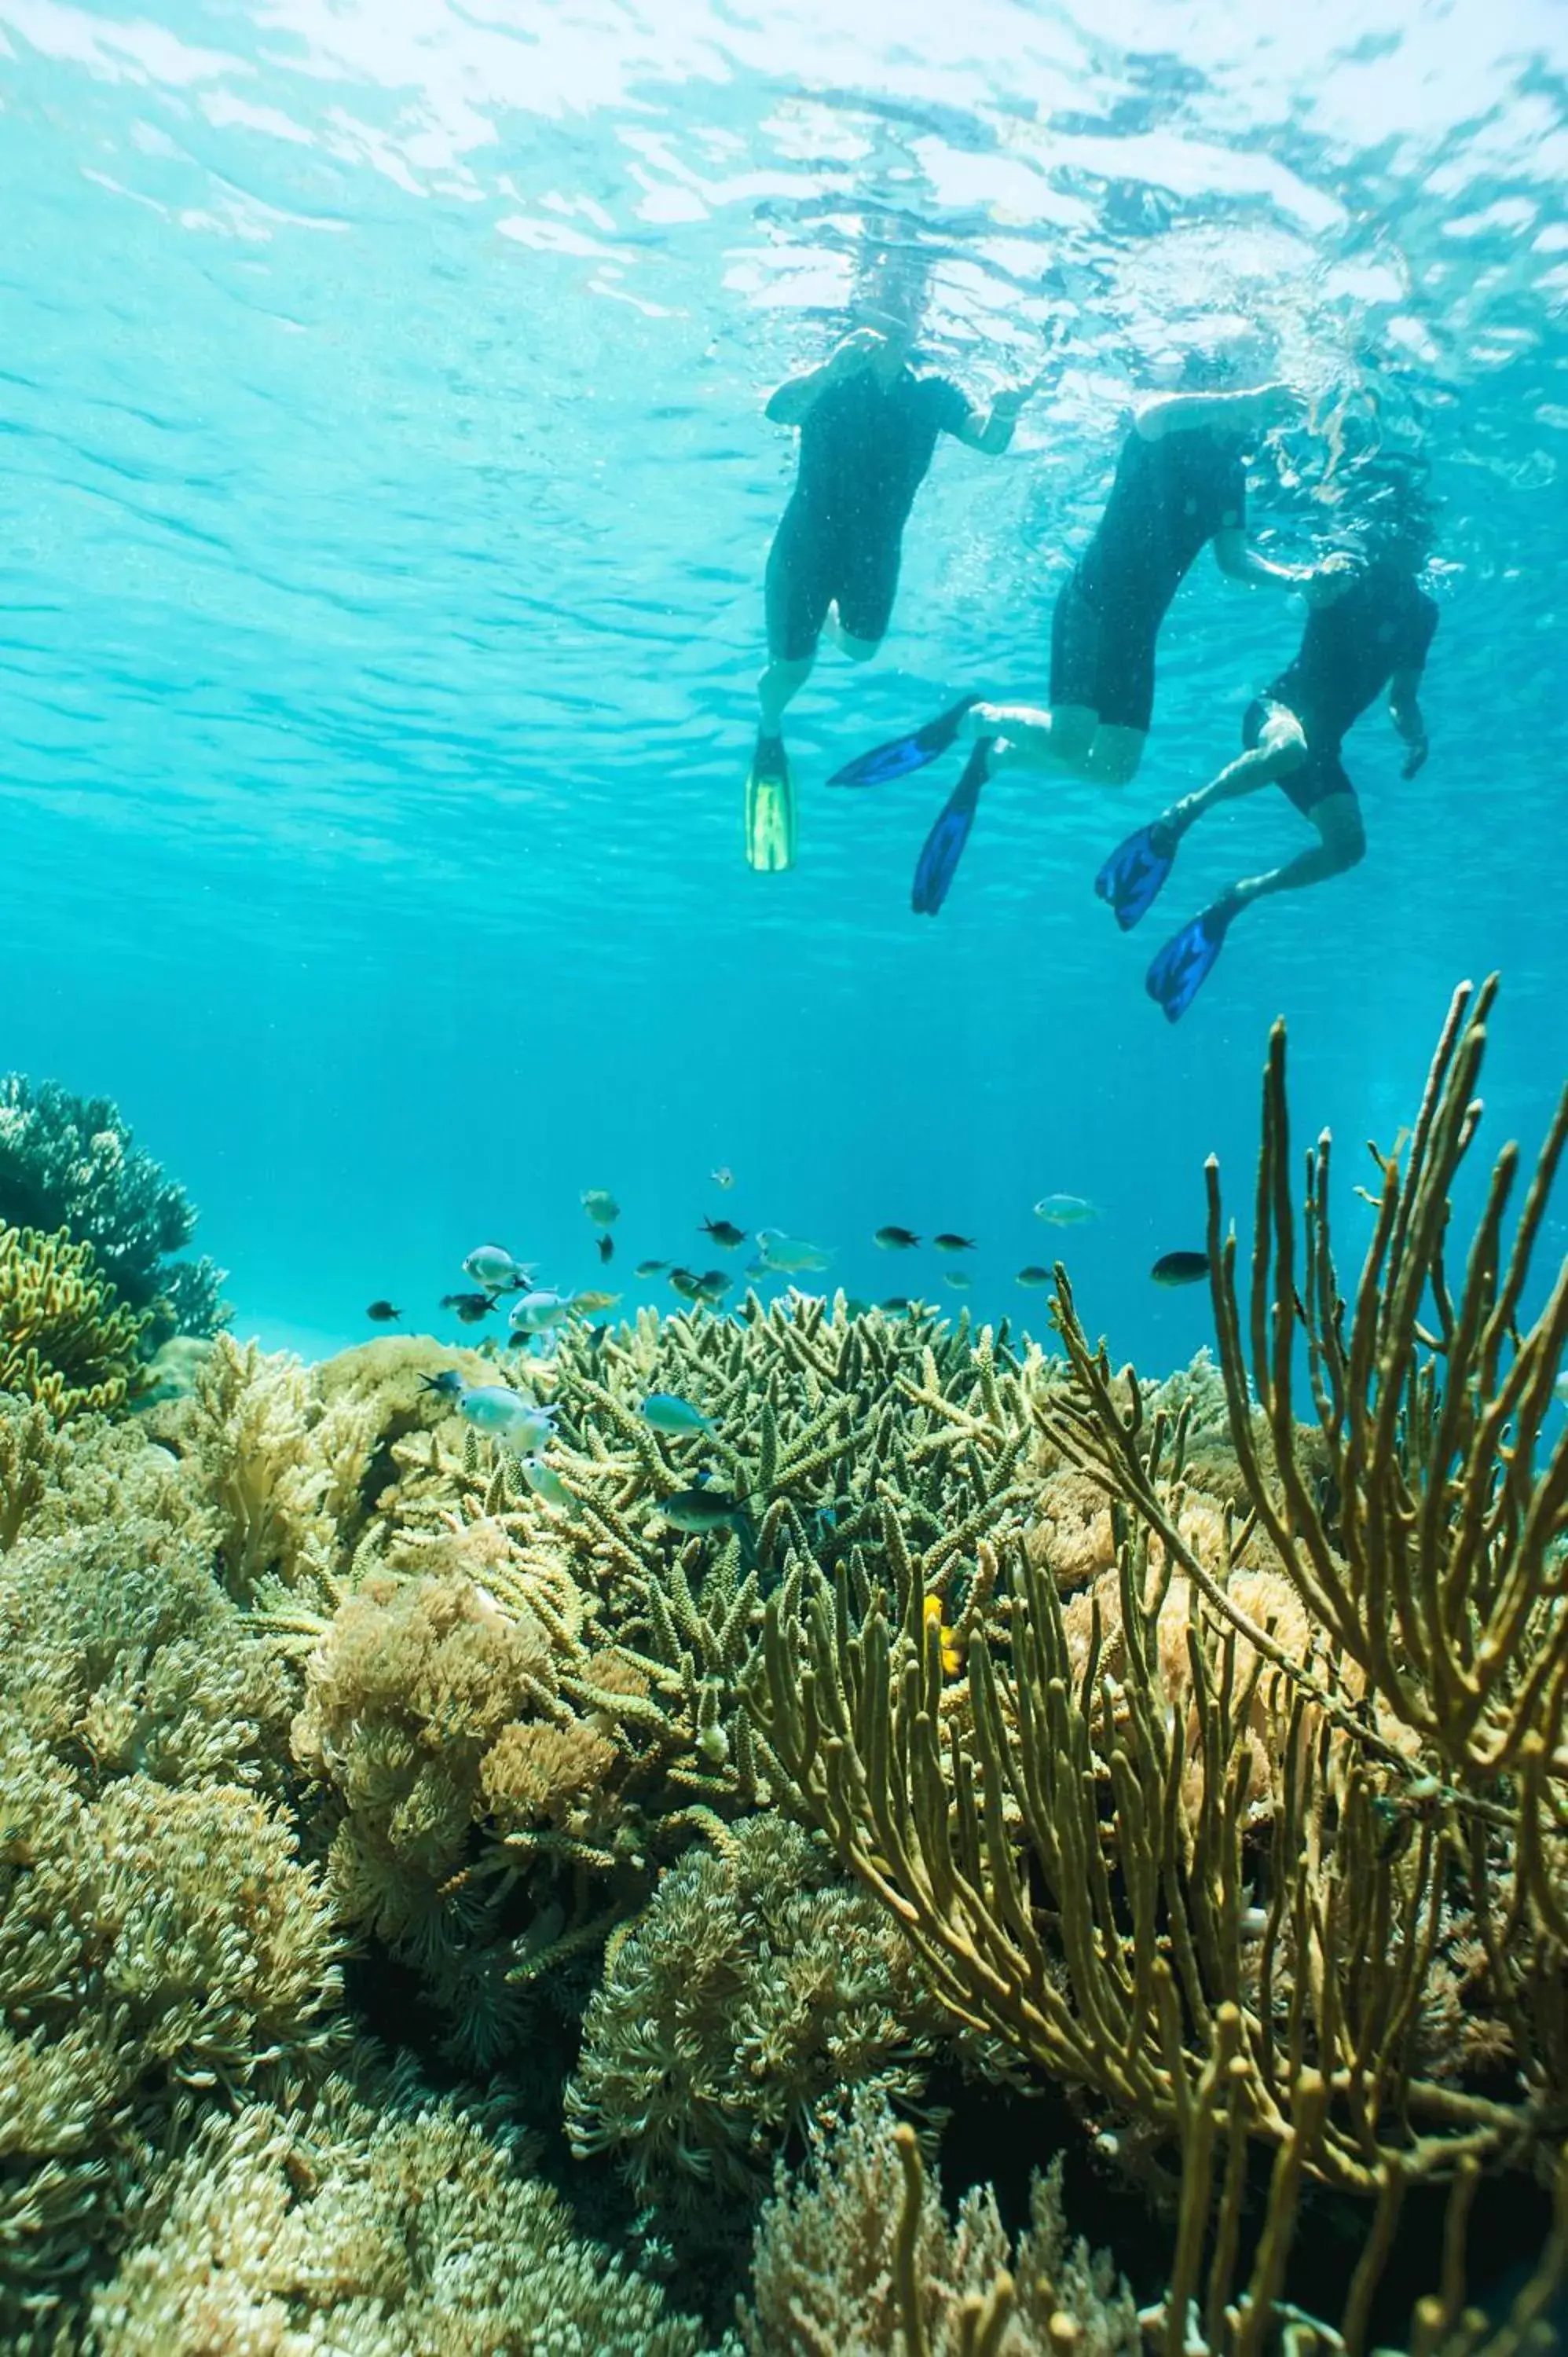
[
  {"x": 1328, "y": 582},
  {"x": 1415, "y": 758}
]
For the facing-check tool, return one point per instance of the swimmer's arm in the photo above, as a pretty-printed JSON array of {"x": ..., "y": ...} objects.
[
  {"x": 1233, "y": 555},
  {"x": 1405, "y": 713},
  {"x": 991, "y": 430},
  {"x": 1234, "y": 413},
  {"x": 798, "y": 396}
]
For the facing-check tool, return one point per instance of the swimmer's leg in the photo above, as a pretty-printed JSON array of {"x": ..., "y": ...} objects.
[
  {"x": 777, "y": 687},
  {"x": 1187, "y": 960},
  {"x": 1341, "y": 844},
  {"x": 1276, "y": 751},
  {"x": 855, "y": 650}
]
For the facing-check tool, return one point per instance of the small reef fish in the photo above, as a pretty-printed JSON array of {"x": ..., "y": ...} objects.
[
  {"x": 1065, "y": 1210},
  {"x": 668, "y": 1413},
  {"x": 951, "y": 1244},
  {"x": 496, "y": 1408},
  {"x": 600, "y": 1206},
  {"x": 953, "y": 1655},
  {"x": 724, "y": 1233},
  {"x": 756, "y": 1271},
  {"x": 591, "y": 1305},
  {"x": 382, "y": 1312},
  {"x": 1033, "y": 1275},
  {"x": 647, "y": 1268},
  {"x": 898, "y": 1305},
  {"x": 540, "y": 1313},
  {"x": 956, "y": 1277},
  {"x": 470, "y": 1307},
  {"x": 789, "y": 1256},
  {"x": 715, "y": 1285},
  {"x": 546, "y": 1483},
  {"x": 700, "y": 1509},
  {"x": 895, "y": 1239},
  {"x": 686, "y": 1283},
  {"x": 606, "y": 1246},
  {"x": 722, "y": 1176},
  {"x": 1180, "y": 1268},
  {"x": 493, "y": 1266}
]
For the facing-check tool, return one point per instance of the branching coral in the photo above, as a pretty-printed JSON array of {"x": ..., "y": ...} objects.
[
  {"x": 1075, "y": 1842},
  {"x": 857, "y": 2259},
  {"x": 65, "y": 1340},
  {"x": 70, "y": 1162},
  {"x": 757, "y": 1985},
  {"x": 393, "y": 2227}
]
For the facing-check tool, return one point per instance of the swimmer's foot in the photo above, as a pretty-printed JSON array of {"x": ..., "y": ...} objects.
[
  {"x": 1132, "y": 878},
  {"x": 770, "y": 808},
  {"x": 1183, "y": 965},
  {"x": 904, "y": 755}
]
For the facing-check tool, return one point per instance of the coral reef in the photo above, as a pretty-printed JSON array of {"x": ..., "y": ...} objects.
[
  {"x": 1018, "y": 1718},
  {"x": 1212, "y": 1871},
  {"x": 70, "y": 1163},
  {"x": 856, "y": 2258},
  {"x": 756, "y": 1987},
  {"x": 370, "y": 2222},
  {"x": 65, "y": 1340}
]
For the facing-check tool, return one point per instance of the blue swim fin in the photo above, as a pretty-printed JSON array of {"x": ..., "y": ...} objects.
[
  {"x": 1131, "y": 877},
  {"x": 1187, "y": 960},
  {"x": 904, "y": 755},
  {"x": 943, "y": 847}
]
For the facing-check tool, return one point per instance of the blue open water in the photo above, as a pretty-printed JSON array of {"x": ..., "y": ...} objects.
[{"x": 385, "y": 494}]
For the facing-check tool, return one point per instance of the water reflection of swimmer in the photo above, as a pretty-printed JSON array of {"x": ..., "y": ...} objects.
[
  {"x": 869, "y": 422},
  {"x": 1375, "y": 634}
]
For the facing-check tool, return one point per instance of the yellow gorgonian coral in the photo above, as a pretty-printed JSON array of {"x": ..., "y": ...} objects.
[{"x": 65, "y": 1339}]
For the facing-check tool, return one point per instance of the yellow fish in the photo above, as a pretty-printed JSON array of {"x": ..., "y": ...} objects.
[
  {"x": 953, "y": 1657},
  {"x": 590, "y": 1303}
]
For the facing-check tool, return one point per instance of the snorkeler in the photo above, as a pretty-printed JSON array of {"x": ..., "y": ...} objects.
[
  {"x": 1181, "y": 480},
  {"x": 869, "y": 425},
  {"x": 1374, "y": 635}
]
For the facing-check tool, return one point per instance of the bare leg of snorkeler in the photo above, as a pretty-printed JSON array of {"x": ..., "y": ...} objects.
[{"x": 1181, "y": 966}]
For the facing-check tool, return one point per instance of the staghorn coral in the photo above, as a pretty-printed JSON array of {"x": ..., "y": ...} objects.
[
  {"x": 65, "y": 1340},
  {"x": 856, "y": 2258},
  {"x": 757, "y": 1985},
  {"x": 70, "y": 1162},
  {"x": 395, "y": 2226}
]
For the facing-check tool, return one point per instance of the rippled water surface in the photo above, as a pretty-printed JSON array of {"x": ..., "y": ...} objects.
[{"x": 386, "y": 491}]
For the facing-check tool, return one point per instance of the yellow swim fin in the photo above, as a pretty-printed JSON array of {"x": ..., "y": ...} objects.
[{"x": 770, "y": 809}]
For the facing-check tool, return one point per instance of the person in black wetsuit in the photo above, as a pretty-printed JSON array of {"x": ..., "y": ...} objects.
[
  {"x": 869, "y": 424},
  {"x": 1375, "y": 634},
  {"x": 1181, "y": 481}
]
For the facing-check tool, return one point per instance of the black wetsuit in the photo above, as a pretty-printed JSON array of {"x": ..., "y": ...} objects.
[
  {"x": 1348, "y": 653},
  {"x": 865, "y": 450},
  {"x": 1168, "y": 497}
]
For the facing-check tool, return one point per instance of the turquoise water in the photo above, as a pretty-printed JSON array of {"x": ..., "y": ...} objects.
[{"x": 386, "y": 494}]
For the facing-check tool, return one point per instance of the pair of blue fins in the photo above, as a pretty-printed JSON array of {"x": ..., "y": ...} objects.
[{"x": 1130, "y": 879}]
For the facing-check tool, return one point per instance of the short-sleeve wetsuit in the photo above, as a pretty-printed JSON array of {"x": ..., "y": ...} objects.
[
  {"x": 1348, "y": 653},
  {"x": 1169, "y": 497},
  {"x": 865, "y": 450}
]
